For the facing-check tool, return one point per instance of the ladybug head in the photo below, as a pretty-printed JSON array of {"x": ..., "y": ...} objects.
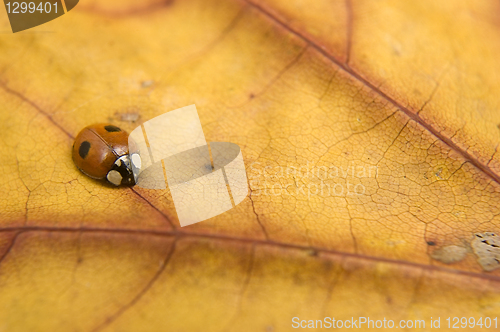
[{"x": 121, "y": 173}]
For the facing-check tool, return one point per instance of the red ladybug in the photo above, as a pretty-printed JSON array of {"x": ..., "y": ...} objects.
[{"x": 101, "y": 151}]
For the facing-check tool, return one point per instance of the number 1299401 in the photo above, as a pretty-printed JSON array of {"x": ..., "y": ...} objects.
[{"x": 30, "y": 7}]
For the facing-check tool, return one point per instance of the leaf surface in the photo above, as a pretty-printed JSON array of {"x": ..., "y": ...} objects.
[{"x": 369, "y": 132}]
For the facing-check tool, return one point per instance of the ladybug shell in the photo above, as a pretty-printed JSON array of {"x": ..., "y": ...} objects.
[{"x": 97, "y": 147}]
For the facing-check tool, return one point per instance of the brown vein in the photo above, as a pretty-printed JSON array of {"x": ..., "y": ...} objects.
[
  {"x": 9, "y": 248},
  {"x": 141, "y": 294},
  {"x": 348, "y": 5},
  {"x": 70, "y": 136},
  {"x": 179, "y": 234},
  {"x": 19, "y": 95},
  {"x": 321, "y": 50}
]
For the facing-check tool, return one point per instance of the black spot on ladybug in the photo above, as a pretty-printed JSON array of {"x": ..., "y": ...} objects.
[
  {"x": 112, "y": 129},
  {"x": 84, "y": 149}
]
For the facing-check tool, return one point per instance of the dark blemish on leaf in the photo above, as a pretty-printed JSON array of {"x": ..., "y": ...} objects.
[
  {"x": 431, "y": 243},
  {"x": 83, "y": 151},
  {"x": 312, "y": 252},
  {"x": 112, "y": 129}
]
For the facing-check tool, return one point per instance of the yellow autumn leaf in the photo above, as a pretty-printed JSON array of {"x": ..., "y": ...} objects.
[{"x": 369, "y": 133}]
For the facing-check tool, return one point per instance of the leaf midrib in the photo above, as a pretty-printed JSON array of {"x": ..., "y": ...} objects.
[{"x": 179, "y": 234}]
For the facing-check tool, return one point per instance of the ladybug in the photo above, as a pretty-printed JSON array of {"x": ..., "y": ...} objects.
[{"x": 101, "y": 151}]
